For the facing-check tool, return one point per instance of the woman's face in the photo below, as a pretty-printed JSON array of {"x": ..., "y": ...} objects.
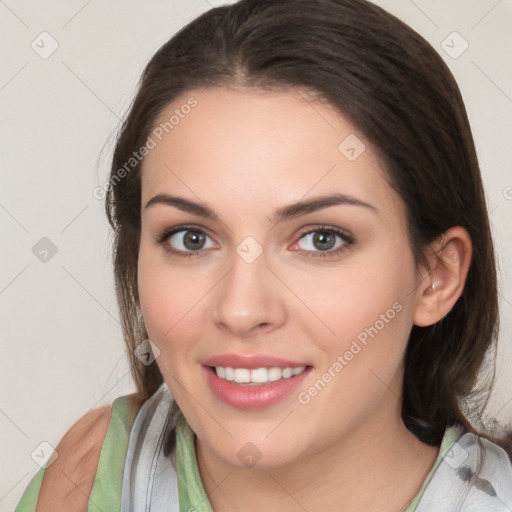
[{"x": 258, "y": 283}]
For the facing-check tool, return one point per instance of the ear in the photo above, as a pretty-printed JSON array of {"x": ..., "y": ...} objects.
[{"x": 449, "y": 257}]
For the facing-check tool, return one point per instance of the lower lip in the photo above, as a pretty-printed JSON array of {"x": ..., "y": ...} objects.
[{"x": 245, "y": 396}]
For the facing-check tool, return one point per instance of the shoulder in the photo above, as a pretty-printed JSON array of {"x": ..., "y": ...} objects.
[{"x": 68, "y": 481}]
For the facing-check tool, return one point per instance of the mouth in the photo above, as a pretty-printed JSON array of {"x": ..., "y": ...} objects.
[{"x": 254, "y": 388}]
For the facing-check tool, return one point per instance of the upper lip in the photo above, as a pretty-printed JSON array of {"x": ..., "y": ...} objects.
[{"x": 252, "y": 361}]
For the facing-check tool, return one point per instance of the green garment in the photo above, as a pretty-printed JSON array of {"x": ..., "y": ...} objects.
[{"x": 106, "y": 491}]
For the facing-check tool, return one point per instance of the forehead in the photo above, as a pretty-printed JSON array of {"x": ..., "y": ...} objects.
[{"x": 250, "y": 146}]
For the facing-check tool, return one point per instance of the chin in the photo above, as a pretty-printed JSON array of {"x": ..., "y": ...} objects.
[{"x": 260, "y": 453}]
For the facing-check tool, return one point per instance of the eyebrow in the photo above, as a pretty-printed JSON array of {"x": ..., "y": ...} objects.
[{"x": 281, "y": 214}]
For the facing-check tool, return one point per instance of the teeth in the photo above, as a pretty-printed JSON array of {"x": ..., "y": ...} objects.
[
  {"x": 287, "y": 373},
  {"x": 274, "y": 374},
  {"x": 242, "y": 375},
  {"x": 230, "y": 374},
  {"x": 256, "y": 376},
  {"x": 259, "y": 375}
]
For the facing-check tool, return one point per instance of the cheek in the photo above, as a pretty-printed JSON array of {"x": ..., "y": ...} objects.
[
  {"x": 362, "y": 313},
  {"x": 172, "y": 301},
  {"x": 154, "y": 302},
  {"x": 361, "y": 351},
  {"x": 159, "y": 289},
  {"x": 348, "y": 300}
]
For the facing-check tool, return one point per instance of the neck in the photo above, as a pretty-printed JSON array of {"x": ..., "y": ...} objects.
[{"x": 379, "y": 465}]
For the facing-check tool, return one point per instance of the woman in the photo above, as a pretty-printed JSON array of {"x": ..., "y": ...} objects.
[{"x": 301, "y": 232}]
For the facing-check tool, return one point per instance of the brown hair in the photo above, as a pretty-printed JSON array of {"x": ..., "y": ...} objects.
[{"x": 394, "y": 87}]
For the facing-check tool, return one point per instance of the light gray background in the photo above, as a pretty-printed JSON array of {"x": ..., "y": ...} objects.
[{"x": 62, "y": 348}]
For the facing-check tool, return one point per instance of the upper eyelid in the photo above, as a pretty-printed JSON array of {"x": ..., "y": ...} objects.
[{"x": 304, "y": 230}]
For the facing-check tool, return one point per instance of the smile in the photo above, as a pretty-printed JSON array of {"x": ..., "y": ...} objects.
[
  {"x": 255, "y": 388},
  {"x": 257, "y": 375}
]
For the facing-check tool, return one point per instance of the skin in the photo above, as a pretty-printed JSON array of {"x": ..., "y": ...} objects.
[
  {"x": 67, "y": 482},
  {"x": 246, "y": 153}
]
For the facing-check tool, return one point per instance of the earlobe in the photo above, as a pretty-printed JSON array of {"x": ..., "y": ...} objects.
[{"x": 439, "y": 290}]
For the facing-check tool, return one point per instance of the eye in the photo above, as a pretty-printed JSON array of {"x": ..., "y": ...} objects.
[
  {"x": 188, "y": 241},
  {"x": 322, "y": 241},
  {"x": 183, "y": 241}
]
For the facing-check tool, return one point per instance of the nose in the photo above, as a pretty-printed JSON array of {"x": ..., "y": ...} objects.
[{"x": 249, "y": 299}]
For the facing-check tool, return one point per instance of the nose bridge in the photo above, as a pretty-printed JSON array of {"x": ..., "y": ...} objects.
[{"x": 248, "y": 295}]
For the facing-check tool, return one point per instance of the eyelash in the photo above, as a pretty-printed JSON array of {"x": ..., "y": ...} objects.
[{"x": 347, "y": 239}]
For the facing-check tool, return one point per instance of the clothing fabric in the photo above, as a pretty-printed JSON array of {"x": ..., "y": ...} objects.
[
  {"x": 470, "y": 473},
  {"x": 106, "y": 490}
]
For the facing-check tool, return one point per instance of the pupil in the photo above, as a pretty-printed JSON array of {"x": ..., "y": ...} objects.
[
  {"x": 192, "y": 237},
  {"x": 321, "y": 238}
]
